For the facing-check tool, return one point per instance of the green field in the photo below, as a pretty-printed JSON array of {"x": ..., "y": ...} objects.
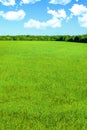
[{"x": 43, "y": 85}]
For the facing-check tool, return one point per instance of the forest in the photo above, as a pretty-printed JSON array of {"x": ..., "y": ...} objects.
[{"x": 74, "y": 38}]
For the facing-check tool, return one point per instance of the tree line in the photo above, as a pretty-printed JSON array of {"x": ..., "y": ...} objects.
[{"x": 78, "y": 38}]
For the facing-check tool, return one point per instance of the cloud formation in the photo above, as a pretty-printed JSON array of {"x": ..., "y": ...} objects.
[
  {"x": 8, "y": 2},
  {"x": 78, "y": 9},
  {"x": 13, "y": 15},
  {"x": 55, "y": 22},
  {"x": 28, "y": 1},
  {"x": 13, "y": 2},
  {"x": 81, "y": 12},
  {"x": 61, "y": 2}
]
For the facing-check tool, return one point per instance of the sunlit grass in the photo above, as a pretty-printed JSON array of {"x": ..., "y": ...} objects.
[{"x": 43, "y": 86}]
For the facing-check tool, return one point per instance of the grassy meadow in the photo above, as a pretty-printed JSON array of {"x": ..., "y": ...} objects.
[{"x": 43, "y": 85}]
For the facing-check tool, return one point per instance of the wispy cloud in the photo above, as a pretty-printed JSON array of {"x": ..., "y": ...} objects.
[
  {"x": 61, "y": 2},
  {"x": 8, "y": 2},
  {"x": 13, "y": 2},
  {"x": 28, "y": 1}
]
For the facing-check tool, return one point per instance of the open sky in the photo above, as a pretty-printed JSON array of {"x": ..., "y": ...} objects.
[{"x": 43, "y": 17}]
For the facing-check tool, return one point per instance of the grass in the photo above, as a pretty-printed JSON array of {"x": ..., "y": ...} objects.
[{"x": 43, "y": 86}]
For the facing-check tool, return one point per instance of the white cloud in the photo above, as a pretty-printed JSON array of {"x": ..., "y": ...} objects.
[
  {"x": 28, "y": 1},
  {"x": 78, "y": 9},
  {"x": 83, "y": 20},
  {"x": 8, "y": 2},
  {"x": 81, "y": 12},
  {"x": 34, "y": 24},
  {"x": 61, "y": 2},
  {"x": 55, "y": 22},
  {"x": 13, "y": 2},
  {"x": 58, "y": 14},
  {"x": 13, "y": 15}
]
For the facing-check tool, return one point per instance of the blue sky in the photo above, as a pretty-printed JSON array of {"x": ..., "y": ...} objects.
[{"x": 43, "y": 17}]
